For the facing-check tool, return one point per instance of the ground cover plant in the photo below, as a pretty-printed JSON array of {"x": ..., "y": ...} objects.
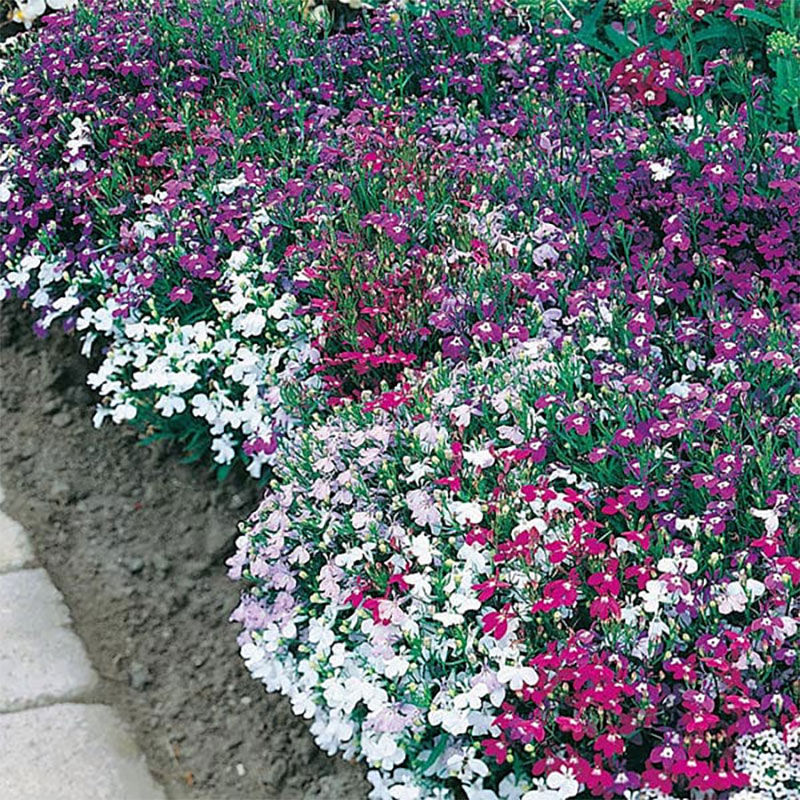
[{"x": 499, "y": 300}]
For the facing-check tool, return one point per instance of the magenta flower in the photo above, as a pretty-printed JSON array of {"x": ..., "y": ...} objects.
[
  {"x": 487, "y": 589},
  {"x": 496, "y": 622},
  {"x": 487, "y": 331},
  {"x": 578, "y": 423},
  {"x": 496, "y": 749},
  {"x": 563, "y": 592},
  {"x": 518, "y": 333},
  {"x": 719, "y": 174},
  {"x": 181, "y": 294}
]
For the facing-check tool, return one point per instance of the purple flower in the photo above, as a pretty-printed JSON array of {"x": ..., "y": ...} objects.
[
  {"x": 455, "y": 347},
  {"x": 487, "y": 331},
  {"x": 181, "y": 294}
]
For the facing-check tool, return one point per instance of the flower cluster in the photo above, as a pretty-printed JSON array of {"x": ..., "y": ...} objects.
[
  {"x": 520, "y": 587},
  {"x": 645, "y": 76},
  {"x": 138, "y": 203},
  {"x": 255, "y": 347}
]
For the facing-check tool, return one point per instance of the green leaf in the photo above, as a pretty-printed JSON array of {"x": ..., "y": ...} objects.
[
  {"x": 224, "y": 471},
  {"x": 596, "y": 44},
  {"x": 759, "y": 16},
  {"x": 441, "y": 743},
  {"x": 716, "y": 30},
  {"x": 624, "y": 44},
  {"x": 589, "y": 21}
]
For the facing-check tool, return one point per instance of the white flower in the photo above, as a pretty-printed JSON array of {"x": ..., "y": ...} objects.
[
  {"x": 321, "y": 635},
  {"x": 517, "y": 676},
  {"x": 479, "y": 458},
  {"x": 282, "y": 306},
  {"x": 66, "y": 303},
  {"x": 690, "y": 524},
  {"x": 563, "y": 782},
  {"x": 382, "y": 751},
  {"x": 655, "y": 630},
  {"x": 598, "y": 344},
  {"x": 338, "y": 655},
  {"x": 453, "y": 721},
  {"x": 679, "y": 389},
  {"x": 461, "y": 603},
  {"x": 770, "y": 516},
  {"x": 463, "y": 764},
  {"x": 463, "y": 414},
  {"x": 661, "y": 170},
  {"x": 473, "y": 698},
  {"x": 423, "y": 509},
  {"x": 230, "y": 185},
  {"x": 668, "y": 565},
  {"x": 402, "y": 792},
  {"x": 655, "y": 593},
  {"x": 28, "y": 12},
  {"x": 329, "y": 734},
  {"x": 466, "y": 512},
  {"x": 427, "y": 433},
  {"x": 421, "y": 549},
  {"x": 360, "y": 519},
  {"x": 417, "y": 472},
  {"x": 511, "y": 433},
  {"x": 303, "y": 705},
  {"x": 100, "y": 415},
  {"x": 396, "y": 667},
  {"x": 123, "y": 412},
  {"x": 79, "y": 137},
  {"x": 509, "y": 789},
  {"x": 447, "y": 619},
  {"x": 541, "y": 793},
  {"x": 17, "y": 278},
  {"x": 250, "y": 324},
  {"x": 223, "y": 447},
  {"x": 351, "y": 556},
  {"x": 499, "y": 401},
  {"x": 420, "y": 586},
  {"x": 479, "y": 793},
  {"x": 673, "y": 566},
  {"x": 169, "y": 404},
  {"x": 736, "y": 596}
]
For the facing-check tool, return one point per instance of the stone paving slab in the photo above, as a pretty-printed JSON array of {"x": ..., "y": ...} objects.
[
  {"x": 41, "y": 659},
  {"x": 50, "y": 748},
  {"x": 15, "y": 546},
  {"x": 71, "y": 752}
]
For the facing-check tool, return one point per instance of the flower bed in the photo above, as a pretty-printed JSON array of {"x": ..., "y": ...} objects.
[
  {"x": 347, "y": 244},
  {"x": 509, "y": 577},
  {"x": 501, "y": 303}
]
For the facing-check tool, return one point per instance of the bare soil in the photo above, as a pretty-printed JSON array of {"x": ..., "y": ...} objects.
[{"x": 136, "y": 542}]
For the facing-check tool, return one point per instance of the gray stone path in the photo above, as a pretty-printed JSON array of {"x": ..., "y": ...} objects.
[{"x": 54, "y": 742}]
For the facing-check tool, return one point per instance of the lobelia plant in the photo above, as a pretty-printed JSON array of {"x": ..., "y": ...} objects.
[
  {"x": 509, "y": 581},
  {"x": 386, "y": 244},
  {"x": 500, "y": 301},
  {"x": 717, "y": 50}
]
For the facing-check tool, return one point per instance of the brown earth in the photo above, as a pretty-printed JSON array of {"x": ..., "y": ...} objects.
[{"x": 136, "y": 542}]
